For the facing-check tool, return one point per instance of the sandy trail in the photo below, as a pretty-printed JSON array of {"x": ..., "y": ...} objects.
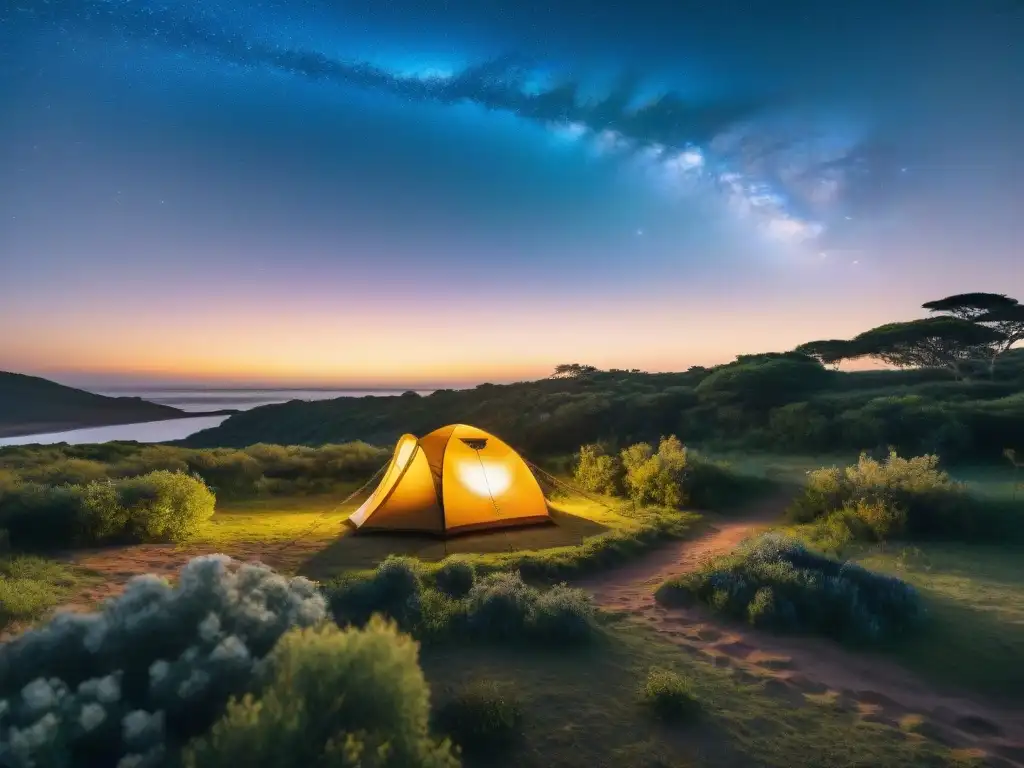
[{"x": 805, "y": 671}]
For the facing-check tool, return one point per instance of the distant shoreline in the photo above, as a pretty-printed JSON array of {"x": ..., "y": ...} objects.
[{"x": 44, "y": 428}]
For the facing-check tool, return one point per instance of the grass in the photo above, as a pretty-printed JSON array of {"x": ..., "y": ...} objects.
[
  {"x": 974, "y": 594},
  {"x": 31, "y": 586},
  {"x": 581, "y": 709},
  {"x": 585, "y": 534},
  {"x": 481, "y": 717},
  {"x": 275, "y": 519}
]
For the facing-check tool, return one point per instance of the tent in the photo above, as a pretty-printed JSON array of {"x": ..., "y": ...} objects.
[{"x": 456, "y": 479}]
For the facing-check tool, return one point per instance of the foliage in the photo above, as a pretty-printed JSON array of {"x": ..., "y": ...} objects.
[
  {"x": 775, "y": 582},
  {"x": 673, "y": 476},
  {"x": 498, "y": 607},
  {"x": 598, "y": 472},
  {"x": 338, "y": 699},
  {"x": 764, "y": 382},
  {"x": 30, "y": 586},
  {"x": 455, "y": 577},
  {"x": 914, "y": 410},
  {"x": 899, "y": 497},
  {"x": 153, "y": 669},
  {"x": 161, "y": 506},
  {"x": 669, "y": 695},
  {"x": 828, "y": 351},
  {"x": 482, "y": 717},
  {"x": 259, "y": 469},
  {"x": 935, "y": 342},
  {"x": 394, "y": 590},
  {"x": 970, "y": 306},
  {"x": 656, "y": 477}
]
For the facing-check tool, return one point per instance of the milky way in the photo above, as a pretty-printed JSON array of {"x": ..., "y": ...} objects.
[{"x": 786, "y": 182}]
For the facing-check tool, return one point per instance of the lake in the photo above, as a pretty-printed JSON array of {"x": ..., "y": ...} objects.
[{"x": 193, "y": 400}]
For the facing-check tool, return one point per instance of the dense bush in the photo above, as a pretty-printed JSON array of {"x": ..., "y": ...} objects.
[
  {"x": 150, "y": 671},
  {"x": 231, "y": 473},
  {"x": 455, "y": 577},
  {"x": 776, "y": 582},
  {"x": 879, "y": 500},
  {"x": 158, "y": 507},
  {"x": 498, "y": 607},
  {"x": 394, "y": 590},
  {"x": 656, "y": 476},
  {"x": 671, "y": 476},
  {"x": 340, "y": 698},
  {"x": 30, "y": 586},
  {"x": 669, "y": 695},
  {"x": 482, "y": 718},
  {"x": 597, "y": 471}
]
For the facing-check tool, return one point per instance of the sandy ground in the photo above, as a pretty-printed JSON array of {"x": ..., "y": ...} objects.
[{"x": 805, "y": 671}]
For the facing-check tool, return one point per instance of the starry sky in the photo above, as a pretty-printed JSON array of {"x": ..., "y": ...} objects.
[{"x": 442, "y": 192}]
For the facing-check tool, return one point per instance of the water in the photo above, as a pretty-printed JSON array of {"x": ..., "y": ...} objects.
[
  {"x": 191, "y": 400},
  {"x": 144, "y": 432},
  {"x": 237, "y": 399}
]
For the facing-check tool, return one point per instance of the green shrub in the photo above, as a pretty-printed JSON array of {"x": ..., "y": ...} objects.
[
  {"x": 336, "y": 698},
  {"x": 165, "y": 506},
  {"x": 30, "y": 586},
  {"x": 159, "y": 507},
  {"x": 231, "y": 473},
  {"x": 776, "y": 582},
  {"x": 598, "y": 472},
  {"x": 656, "y": 477},
  {"x": 669, "y": 695},
  {"x": 482, "y": 718},
  {"x": 455, "y": 577},
  {"x": 393, "y": 590},
  {"x": 898, "y": 496},
  {"x": 562, "y": 615},
  {"x": 150, "y": 671},
  {"x": 499, "y": 606}
]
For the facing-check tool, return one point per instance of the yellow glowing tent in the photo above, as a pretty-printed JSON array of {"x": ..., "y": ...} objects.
[{"x": 458, "y": 478}]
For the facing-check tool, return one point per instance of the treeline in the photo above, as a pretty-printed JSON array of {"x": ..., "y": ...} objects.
[
  {"x": 256, "y": 470},
  {"x": 957, "y": 390},
  {"x": 787, "y": 402}
]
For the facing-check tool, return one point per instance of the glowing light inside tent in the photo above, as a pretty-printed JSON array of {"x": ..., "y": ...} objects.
[{"x": 484, "y": 478}]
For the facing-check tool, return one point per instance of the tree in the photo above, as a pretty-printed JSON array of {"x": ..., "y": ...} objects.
[
  {"x": 935, "y": 342},
  {"x": 572, "y": 371},
  {"x": 829, "y": 351},
  {"x": 1007, "y": 320},
  {"x": 759, "y": 383},
  {"x": 970, "y": 306},
  {"x": 995, "y": 310}
]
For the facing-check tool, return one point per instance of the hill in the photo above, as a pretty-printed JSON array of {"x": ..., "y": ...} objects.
[
  {"x": 31, "y": 405},
  {"x": 778, "y": 401}
]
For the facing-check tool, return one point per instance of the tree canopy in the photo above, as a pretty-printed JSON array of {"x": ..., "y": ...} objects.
[
  {"x": 829, "y": 351},
  {"x": 934, "y": 342},
  {"x": 970, "y": 306}
]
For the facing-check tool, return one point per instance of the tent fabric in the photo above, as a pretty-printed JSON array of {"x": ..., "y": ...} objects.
[{"x": 457, "y": 478}]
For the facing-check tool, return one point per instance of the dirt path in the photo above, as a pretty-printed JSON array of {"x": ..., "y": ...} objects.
[{"x": 805, "y": 671}]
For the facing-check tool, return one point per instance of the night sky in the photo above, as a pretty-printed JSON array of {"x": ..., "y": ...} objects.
[{"x": 421, "y": 193}]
